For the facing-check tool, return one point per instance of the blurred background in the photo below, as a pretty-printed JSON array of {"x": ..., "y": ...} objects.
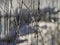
[{"x": 29, "y": 22}]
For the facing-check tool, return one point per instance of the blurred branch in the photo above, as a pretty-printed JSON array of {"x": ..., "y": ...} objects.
[{"x": 26, "y": 6}]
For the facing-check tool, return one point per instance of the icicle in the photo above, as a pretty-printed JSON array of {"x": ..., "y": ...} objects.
[{"x": 2, "y": 22}]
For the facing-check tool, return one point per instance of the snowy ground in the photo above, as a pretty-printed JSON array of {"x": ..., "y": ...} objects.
[
  {"x": 28, "y": 36},
  {"x": 31, "y": 37}
]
